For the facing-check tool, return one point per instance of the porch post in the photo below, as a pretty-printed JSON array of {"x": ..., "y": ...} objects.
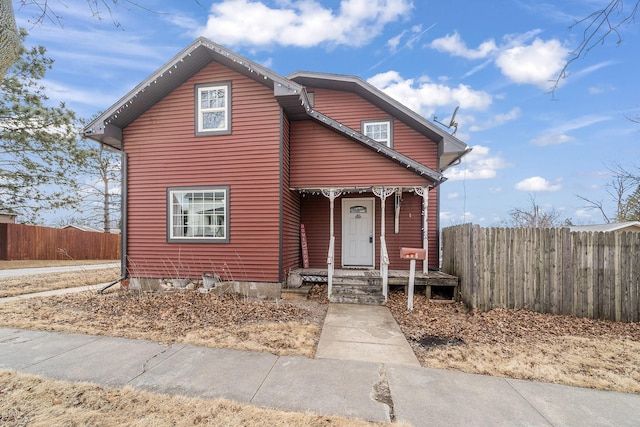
[
  {"x": 424, "y": 192},
  {"x": 383, "y": 193},
  {"x": 331, "y": 193}
]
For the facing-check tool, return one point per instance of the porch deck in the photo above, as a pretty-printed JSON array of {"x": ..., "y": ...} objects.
[{"x": 395, "y": 278}]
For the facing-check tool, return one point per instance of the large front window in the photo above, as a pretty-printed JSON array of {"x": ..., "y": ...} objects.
[
  {"x": 198, "y": 214},
  {"x": 379, "y": 131},
  {"x": 213, "y": 109}
]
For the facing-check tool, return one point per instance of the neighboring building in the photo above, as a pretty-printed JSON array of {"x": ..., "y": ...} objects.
[
  {"x": 7, "y": 217},
  {"x": 224, "y": 160},
  {"x": 615, "y": 226},
  {"x": 91, "y": 228}
]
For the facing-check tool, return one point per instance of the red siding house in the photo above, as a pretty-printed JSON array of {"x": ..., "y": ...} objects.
[{"x": 224, "y": 161}]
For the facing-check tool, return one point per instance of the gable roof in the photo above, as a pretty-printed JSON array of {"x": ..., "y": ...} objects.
[
  {"x": 616, "y": 226},
  {"x": 290, "y": 94},
  {"x": 451, "y": 148}
]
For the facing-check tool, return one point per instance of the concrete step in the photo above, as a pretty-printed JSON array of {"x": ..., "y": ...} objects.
[
  {"x": 357, "y": 299},
  {"x": 348, "y": 280},
  {"x": 357, "y": 289}
]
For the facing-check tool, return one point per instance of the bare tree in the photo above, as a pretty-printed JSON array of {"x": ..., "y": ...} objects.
[
  {"x": 534, "y": 216},
  {"x": 101, "y": 191},
  {"x": 598, "y": 27},
  {"x": 96, "y": 8},
  {"x": 623, "y": 181}
]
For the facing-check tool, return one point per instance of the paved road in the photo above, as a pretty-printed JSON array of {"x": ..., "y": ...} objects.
[{"x": 16, "y": 272}]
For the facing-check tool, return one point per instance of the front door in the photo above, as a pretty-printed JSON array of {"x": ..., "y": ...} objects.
[{"x": 357, "y": 232}]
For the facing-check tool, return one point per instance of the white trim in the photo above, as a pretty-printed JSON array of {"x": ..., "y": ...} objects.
[
  {"x": 389, "y": 140},
  {"x": 345, "y": 212},
  {"x": 225, "y": 109}
]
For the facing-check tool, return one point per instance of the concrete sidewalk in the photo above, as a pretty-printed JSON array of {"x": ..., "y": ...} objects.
[{"x": 360, "y": 389}]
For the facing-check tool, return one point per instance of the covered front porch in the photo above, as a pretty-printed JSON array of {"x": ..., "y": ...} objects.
[{"x": 354, "y": 234}]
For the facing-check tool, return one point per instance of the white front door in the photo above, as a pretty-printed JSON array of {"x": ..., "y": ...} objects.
[{"x": 357, "y": 232}]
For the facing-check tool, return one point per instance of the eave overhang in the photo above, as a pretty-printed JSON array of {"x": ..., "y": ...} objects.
[
  {"x": 107, "y": 127},
  {"x": 450, "y": 148}
]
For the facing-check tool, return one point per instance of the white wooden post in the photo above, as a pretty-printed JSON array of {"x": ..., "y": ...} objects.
[
  {"x": 383, "y": 193},
  {"x": 412, "y": 278},
  {"x": 331, "y": 193},
  {"x": 424, "y": 192}
]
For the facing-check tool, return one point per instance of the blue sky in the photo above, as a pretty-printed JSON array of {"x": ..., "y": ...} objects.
[{"x": 493, "y": 59}]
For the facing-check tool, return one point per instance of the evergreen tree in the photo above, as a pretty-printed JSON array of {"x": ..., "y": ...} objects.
[
  {"x": 630, "y": 210},
  {"x": 38, "y": 151}
]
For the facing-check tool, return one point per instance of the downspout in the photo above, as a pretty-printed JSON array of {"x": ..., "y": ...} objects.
[{"x": 123, "y": 223}]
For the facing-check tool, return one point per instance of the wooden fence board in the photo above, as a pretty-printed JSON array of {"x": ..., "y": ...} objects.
[
  {"x": 28, "y": 242},
  {"x": 595, "y": 275}
]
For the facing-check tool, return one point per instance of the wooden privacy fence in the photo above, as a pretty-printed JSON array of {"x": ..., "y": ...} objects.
[
  {"x": 548, "y": 270},
  {"x": 29, "y": 242}
]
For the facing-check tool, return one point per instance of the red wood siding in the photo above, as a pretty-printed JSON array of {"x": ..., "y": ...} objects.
[
  {"x": 322, "y": 157},
  {"x": 290, "y": 210},
  {"x": 315, "y": 216},
  {"x": 163, "y": 152},
  {"x": 350, "y": 110}
]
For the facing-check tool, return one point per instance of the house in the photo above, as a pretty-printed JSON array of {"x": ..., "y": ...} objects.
[
  {"x": 7, "y": 217},
  {"x": 90, "y": 228},
  {"x": 224, "y": 161},
  {"x": 615, "y": 226}
]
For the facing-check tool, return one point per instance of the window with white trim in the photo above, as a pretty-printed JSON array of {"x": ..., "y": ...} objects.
[
  {"x": 379, "y": 131},
  {"x": 198, "y": 214},
  {"x": 213, "y": 109}
]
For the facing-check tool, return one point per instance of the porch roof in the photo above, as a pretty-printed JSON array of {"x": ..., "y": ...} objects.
[{"x": 351, "y": 190}]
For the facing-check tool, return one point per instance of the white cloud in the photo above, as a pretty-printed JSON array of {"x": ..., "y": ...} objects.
[
  {"x": 454, "y": 45},
  {"x": 524, "y": 62},
  {"x": 478, "y": 164},
  {"x": 423, "y": 95},
  {"x": 538, "y": 63},
  {"x": 453, "y": 196},
  {"x": 584, "y": 213},
  {"x": 454, "y": 218},
  {"x": 537, "y": 183},
  {"x": 497, "y": 120},
  {"x": 560, "y": 134},
  {"x": 302, "y": 23}
]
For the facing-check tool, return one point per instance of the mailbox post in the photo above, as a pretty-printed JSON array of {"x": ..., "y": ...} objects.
[{"x": 412, "y": 254}]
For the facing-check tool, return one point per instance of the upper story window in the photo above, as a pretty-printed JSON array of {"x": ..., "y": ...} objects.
[
  {"x": 213, "y": 109},
  {"x": 198, "y": 214},
  {"x": 379, "y": 130}
]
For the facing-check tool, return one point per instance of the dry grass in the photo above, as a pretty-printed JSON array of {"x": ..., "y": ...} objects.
[
  {"x": 10, "y": 265},
  {"x": 35, "y": 401},
  {"x": 522, "y": 344},
  {"x": 284, "y": 328},
  {"x": 47, "y": 282}
]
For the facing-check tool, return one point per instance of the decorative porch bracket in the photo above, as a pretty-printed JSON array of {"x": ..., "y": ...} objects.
[
  {"x": 383, "y": 193},
  {"x": 331, "y": 194},
  {"x": 424, "y": 192}
]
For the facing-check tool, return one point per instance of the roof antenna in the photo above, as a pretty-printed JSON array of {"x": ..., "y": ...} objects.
[{"x": 452, "y": 122}]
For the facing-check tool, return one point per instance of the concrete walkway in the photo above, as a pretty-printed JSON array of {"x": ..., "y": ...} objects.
[
  {"x": 370, "y": 391},
  {"x": 363, "y": 332}
]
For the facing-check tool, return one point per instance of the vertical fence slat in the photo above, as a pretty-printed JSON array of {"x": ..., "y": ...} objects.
[
  {"x": 29, "y": 242},
  {"x": 595, "y": 275}
]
